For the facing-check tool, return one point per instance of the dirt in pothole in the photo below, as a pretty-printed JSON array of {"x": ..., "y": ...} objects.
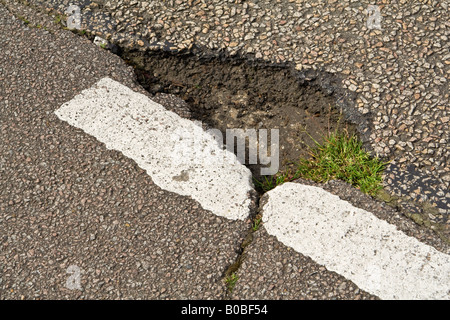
[{"x": 230, "y": 94}]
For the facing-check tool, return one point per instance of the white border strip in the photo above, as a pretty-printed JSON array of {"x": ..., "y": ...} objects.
[
  {"x": 160, "y": 142},
  {"x": 354, "y": 243}
]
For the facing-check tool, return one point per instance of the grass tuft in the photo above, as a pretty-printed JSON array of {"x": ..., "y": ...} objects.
[
  {"x": 256, "y": 224},
  {"x": 340, "y": 156},
  {"x": 231, "y": 281}
]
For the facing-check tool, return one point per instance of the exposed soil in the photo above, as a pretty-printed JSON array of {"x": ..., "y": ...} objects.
[{"x": 234, "y": 93}]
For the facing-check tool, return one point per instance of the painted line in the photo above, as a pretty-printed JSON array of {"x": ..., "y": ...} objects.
[
  {"x": 177, "y": 153},
  {"x": 372, "y": 253}
]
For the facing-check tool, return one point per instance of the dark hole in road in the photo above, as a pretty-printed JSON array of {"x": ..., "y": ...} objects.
[{"x": 226, "y": 93}]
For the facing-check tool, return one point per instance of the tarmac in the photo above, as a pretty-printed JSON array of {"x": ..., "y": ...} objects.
[{"x": 93, "y": 207}]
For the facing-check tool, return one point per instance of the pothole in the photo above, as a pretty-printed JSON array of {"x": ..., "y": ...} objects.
[
  {"x": 226, "y": 93},
  {"x": 240, "y": 94}
]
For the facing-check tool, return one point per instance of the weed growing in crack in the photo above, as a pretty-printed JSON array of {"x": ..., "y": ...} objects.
[
  {"x": 231, "y": 281},
  {"x": 256, "y": 223},
  {"x": 57, "y": 19},
  {"x": 340, "y": 156},
  {"x": 271, "y": 182},
  {"x": 25, "y": 21}
]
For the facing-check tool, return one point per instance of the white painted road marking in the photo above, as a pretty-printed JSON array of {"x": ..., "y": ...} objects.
[
  {"x": 354, "y": 243},
  {"x": 146, "y": 132}
]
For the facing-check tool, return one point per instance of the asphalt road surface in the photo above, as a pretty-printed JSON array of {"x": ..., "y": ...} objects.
[{"x": 86, "y": 215}]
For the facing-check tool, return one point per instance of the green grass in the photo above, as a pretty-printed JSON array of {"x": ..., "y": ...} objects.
[
  {"x": 271, "y": 182},
  {"x": 24, "y": 19},
  {"x": 231, "y": 281},
  {"x": 256, "y": 223},
  {"x": 340, "y": 156},
  {"x": 57, "y": 19}
]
